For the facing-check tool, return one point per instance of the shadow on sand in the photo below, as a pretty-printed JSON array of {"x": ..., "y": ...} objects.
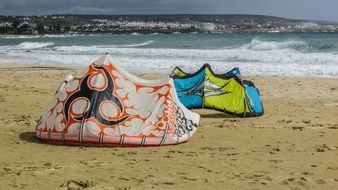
[
  {"x": 216, "y": 115},
  {"x": 29, "y": 137}
]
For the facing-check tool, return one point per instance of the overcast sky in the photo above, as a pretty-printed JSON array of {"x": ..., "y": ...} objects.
[{"x": 300, "y": 9}]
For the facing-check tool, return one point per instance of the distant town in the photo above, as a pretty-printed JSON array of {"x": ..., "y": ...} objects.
[{"x": 144, "y": 24}]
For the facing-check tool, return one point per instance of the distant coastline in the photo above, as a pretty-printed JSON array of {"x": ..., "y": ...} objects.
[{"x": 150, "y": 24}]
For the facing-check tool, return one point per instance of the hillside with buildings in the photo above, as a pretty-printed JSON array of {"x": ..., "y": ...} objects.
[{"x": 117, "y": 24}]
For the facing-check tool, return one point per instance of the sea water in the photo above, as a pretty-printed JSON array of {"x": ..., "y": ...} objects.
[{"x": 257, "y": 54}]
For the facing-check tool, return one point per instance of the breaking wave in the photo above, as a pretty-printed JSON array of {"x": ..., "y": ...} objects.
[
  {"x": 258, "y": 45},
  {"x": 34, "y": 45},
  {"x": 100, "y": 48},
  {"x": 256, "y": 57}
]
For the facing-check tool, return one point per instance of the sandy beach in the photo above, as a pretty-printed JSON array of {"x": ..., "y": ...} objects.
[{"x": 293, "y": 146}]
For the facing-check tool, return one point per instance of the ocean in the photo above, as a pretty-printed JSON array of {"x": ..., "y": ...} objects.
[{"x": 257, "y": 54}]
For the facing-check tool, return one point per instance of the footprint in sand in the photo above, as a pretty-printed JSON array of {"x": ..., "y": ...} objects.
[
  {"x": 189, "y": 178},
  {"x": 126, "y": 178},
  {"x": 132, "y": 153},
  {"x": 18, "y": 186},
  {"x": 6, "y": 170},
  {"x": 301, "y": 181},
  {"x": 275, "y": 161},
  {"x": 307, "y": 173},
  {"x": 306, "y": 121},
  {"x": 298, "y": 128},
  {"x": 2, "y": 99},
  {"x": 332, "y": 126},
  {"x": 76, "y": 184},
  {"x": 323, "y": 148},
  {"x": 285, "y": 121},
  {"x": 320, "y": 181}
]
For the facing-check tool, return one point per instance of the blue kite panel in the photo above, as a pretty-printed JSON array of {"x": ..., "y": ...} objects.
[
  {"x": 233, "y": 72},
  {"x": 190, "y": 90},
  {"x": 254, "y": 98}
]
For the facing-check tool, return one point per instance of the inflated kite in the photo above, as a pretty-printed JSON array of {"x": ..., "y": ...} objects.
[
  {"x": 106, "y": 105},
  {"x": 224, "y": 92}
]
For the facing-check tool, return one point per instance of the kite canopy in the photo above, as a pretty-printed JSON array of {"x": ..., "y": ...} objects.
[
  {"x": 224, "y": 92},
  {"x": 178, "y": 72},
  {"x": 106, "y": 105}
]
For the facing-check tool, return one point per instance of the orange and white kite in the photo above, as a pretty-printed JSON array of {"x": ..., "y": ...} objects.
[{"x": 106, "y": 105}]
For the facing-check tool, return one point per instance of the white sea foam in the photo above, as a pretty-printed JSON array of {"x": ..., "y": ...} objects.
[
  {"x": 44, "y": 36},
  {"x": 261, "y": 58},
  {"x": 34, "y": 45},
  {"x": 65, "y": 35},
  {"x": 19, "y": 36},
  {"x": 99, "y": 48},
  {"x": 135, "y": 34}
]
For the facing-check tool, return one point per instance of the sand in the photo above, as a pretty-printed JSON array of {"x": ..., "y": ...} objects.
[{"x": 293, "y": 146}]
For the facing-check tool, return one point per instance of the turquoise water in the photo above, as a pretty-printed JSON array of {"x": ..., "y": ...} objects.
[{"x": 282, "y": 54}]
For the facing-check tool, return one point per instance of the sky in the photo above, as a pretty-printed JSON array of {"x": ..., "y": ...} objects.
[{"x": 297, "y": 9}]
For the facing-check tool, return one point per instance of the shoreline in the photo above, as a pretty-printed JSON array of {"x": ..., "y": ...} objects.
[
  {"x": 292, "y": 146},
  {"x": 75, "y": 68}
]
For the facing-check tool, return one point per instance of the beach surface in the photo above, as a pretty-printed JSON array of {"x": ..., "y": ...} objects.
[{"x": 294, "y": 145}]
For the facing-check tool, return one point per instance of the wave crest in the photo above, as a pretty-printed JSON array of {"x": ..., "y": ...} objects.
[
  {"x": 258, "y": 45},
  {"x": 35, "y": 45},
  {"x": 137, "y": 45}
]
